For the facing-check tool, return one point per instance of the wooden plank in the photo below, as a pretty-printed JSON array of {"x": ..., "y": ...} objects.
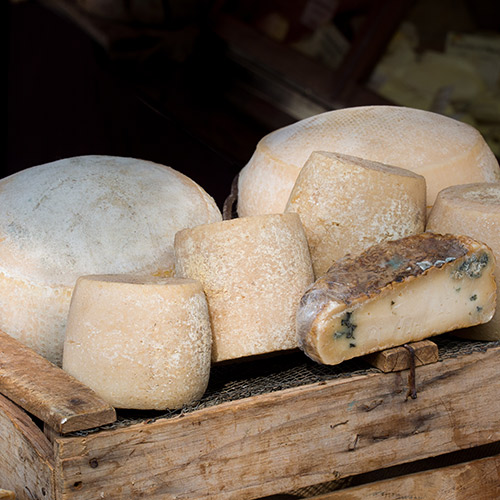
[
  {"x": 475, "y": 480},
  {"x": 398, "y": 358},
  {"x": 290, "y": 439},
  {"x": 26, "y": 456},
  {"x": 48, "y": 392}
]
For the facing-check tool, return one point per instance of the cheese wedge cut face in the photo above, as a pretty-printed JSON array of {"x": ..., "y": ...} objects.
[
  {"x": 443, "y": 150},
  {"x": 254, "y": 271},
  {"x": 347, "y": 204},
  {"x": 85, "y": 215},
  {"x": 139, "y": 342},
  {"x": 473, "y": 210},
  {"x": 397, "y": 292}
]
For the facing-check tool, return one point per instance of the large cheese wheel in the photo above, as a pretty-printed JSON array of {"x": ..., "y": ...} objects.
[
  {"x": 139, "y": 342},
  {"x": 443, "y": 150},
  {"x": 347, "y": 204},
  {"x": 254, "y": 271},
  {"x": 85, "y": 215},
  {"x": 472, "y": 210}
]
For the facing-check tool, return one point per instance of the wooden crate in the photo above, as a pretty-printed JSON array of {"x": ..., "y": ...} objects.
[{"x": 350, "y": 422}]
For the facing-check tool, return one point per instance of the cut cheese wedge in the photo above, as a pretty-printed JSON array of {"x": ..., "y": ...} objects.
[
  {"x": 139, "y": 342},
  {"x": 443, "y": 150},
  {"x": 473, "y": 210},
  {"x": 347, "y": 204},
  {"x": 85, "y": 215},
  {"x": 254, "y": 271},
  {"x": 397, "y": 292}
]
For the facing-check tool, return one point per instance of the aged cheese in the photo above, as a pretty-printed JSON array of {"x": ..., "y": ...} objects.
[
  {"x": 85, "y": 215},
  {"x": 443, "y": 150},
  {"x": 473, "y": 210},
  {"x": 396, "y": 292},
  {"x": 254, "y": 271},
  {"x": 140, "y": 342},
  {"x": 347, "y": 204}
]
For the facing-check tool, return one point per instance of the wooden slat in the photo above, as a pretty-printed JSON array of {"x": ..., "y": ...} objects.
[
  {"x": 475, "y": 480},
  {"x": 290, "y": 439},
  {"x": 398, "y": 358},
  {"x": 48, "y": 392},
  {"x": 26, "y": 456}
]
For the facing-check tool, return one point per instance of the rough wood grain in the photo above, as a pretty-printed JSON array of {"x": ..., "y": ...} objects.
[
  {"x": 47, "y": 391},
  {"x": 26, "y": 456},
  {"x": 290, "y": 439},
  {"x": 7, "y": 495},
  {"x": 475, "y": 480},
  {"x": 398, "y": 358}
]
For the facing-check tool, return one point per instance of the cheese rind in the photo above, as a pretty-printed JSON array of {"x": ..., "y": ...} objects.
[
  {"x": 254, "y": 271},
  {"x": 347, "y": 204},
  {"x": 139, "y": 342},
  {"x": 473, "y": 210},
  {"x": 85, "y": 215},
  {"x": 443, "y": 150},
  {"x": 397, "y": 292}
]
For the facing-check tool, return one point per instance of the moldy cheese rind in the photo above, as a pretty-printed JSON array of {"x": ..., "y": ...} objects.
[{"x": 396, "y": 292}]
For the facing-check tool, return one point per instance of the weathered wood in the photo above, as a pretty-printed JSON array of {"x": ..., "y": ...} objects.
[
  {"x": 48, "y": 392},
  {"x": 398, "y": 358},
  {"x": 290, "y": 439},
  {"x": 475, "y": 480},
  {"x": 26, "y": 456}
]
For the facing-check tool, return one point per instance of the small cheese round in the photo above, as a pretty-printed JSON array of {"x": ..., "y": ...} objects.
[
  {"x": 139, "y": 342},
  {"x": 347, "y": 204},
  {"x": 254, "y": 271},
  {"x": 472, "y": 210},
  {"x": 85, "y": 215},
  {"x": 443, "y": 150}
]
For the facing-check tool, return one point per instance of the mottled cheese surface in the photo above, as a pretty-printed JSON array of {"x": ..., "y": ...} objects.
[
  {"x": 473, "y": 210},
  {"x": 138, "y": 341},
  {"x": 443, "y": 150},
  {"x": 397, "y": 292},
  {"x": 85, "y": 215},
  {"x": 254, "y": 271},
  {"x": 347, "y": 204}
]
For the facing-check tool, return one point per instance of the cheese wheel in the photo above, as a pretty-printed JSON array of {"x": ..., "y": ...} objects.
[
  {"x": 139, "y": 342},
  {"x": 472, "y": 210},
  {"x": 443, "y": 150},
  {"x": 85, "y": 215},
  {"x": 254, "y": 271},
  {"x": 397, "y": 292},
  {"x": 347, "y": 204}
]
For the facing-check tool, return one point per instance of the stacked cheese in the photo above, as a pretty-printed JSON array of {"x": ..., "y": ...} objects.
[
  {"x": 347, "y": 204},
  {"x": 443, "y": 150},
  {"x": 472, "y": 210},
  {"x": 139, "y": 342},
  {"x": 254, "y": 271},
  {"x": 85, "y": 215}
]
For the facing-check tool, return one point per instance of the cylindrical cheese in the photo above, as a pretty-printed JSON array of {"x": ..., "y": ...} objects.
[
  {"x": 472, "y": 210},
  {"x": 443, "y": 150},
  {"x": 80, "y": 216},
  {"x": 347, "y": 204},
  {"x": 254, "y": 271},
  {"x": 139, "y": 342}
]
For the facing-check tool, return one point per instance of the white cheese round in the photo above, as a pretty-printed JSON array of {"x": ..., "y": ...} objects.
[
  {"x": 85, "y": 215},
  {"x": 443, "y": 150},
  {"x": 139, "y": 342},
  {"x": 347, "y": 204},
  {"x": 254, "y": 271}
]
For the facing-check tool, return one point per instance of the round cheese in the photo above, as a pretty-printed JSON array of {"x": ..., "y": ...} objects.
[
  {"x": 139, "y": 342},
  {"x": 85, "y": 215},
  {"x": 347, "y": 204},
  {"x": 472, "y": 210},
  {"x": 254, "y": 271},
  {"x": 443, "y": 150}
]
